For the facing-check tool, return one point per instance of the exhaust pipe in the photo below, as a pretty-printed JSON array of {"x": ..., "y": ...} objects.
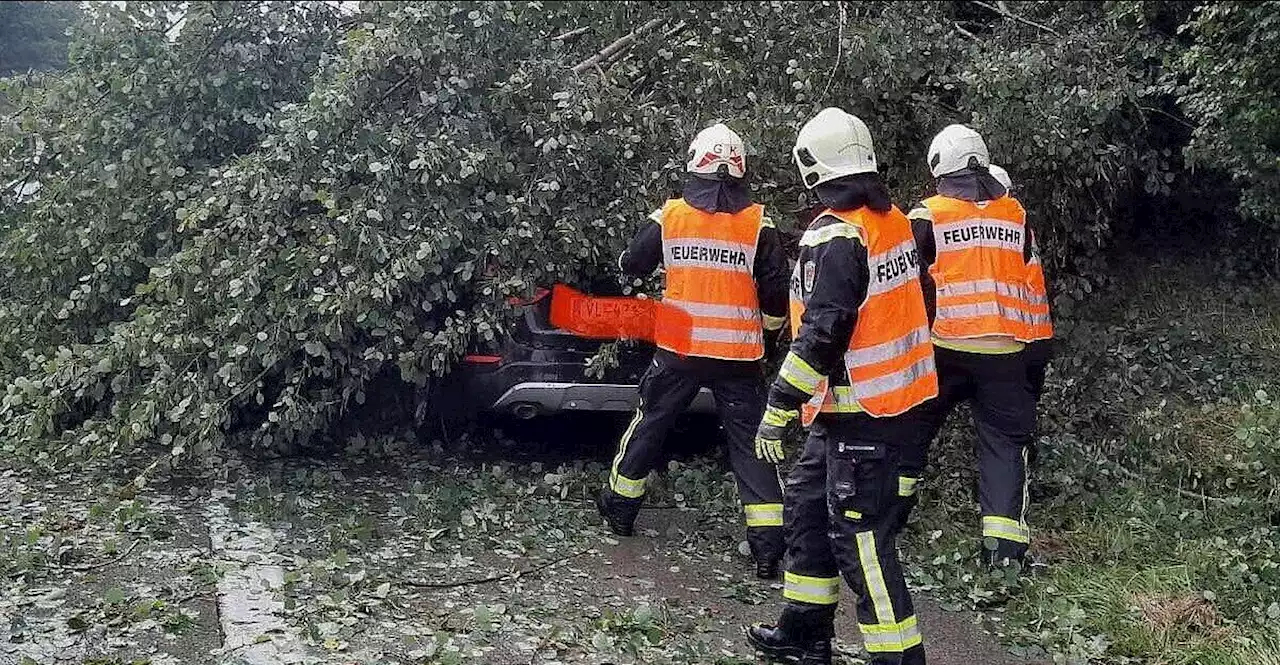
[{"x": 525, "y": 411}]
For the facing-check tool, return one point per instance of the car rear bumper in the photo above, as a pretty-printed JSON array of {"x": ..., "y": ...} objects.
[{"x": 534, "y": 398}]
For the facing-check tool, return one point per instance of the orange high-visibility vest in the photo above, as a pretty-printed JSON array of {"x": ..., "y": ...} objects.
[
  {"x": 890, "y": 358},
  {"x": 710, "y": 263},
  {"x": 980, "y": 271},
  {"x": 1041, "y": 326}
]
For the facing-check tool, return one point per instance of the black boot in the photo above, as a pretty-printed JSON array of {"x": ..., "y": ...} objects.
[
  {"x": 998, "y": 553},
  {"x": 769, "y": 568},
  {"x": 767, "y": 547},
  {"x": 619, "y": 512},
  {"x": 778, "y": 647}
]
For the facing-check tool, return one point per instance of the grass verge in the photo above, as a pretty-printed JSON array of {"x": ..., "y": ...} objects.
[{"x": 1156, "y": 501}]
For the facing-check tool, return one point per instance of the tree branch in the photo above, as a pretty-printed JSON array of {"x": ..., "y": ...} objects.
[
  {"x": 839, "y": 50},
  {"x": 621, "y": 55},
  {"x": 960, "y": 29},
  {"x": 394, "y": 87},
  {"x": 1133, "y": 475},
  {"x": 497, "y": 578},
  {"x": 612, "y": 49},
  {"x": 679, "y": 27},
  {"x": 576, "y": 32},
  {"x": 95, "y": 566},
  {"x": 1170, "y": 116},
  {"x": 1003, "y": 10}
]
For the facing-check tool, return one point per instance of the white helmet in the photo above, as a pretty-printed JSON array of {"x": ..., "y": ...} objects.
[
  {"x": 832, "y": 145},
  {"x": 955, "y": 148},
  {"x": 717, "y": 152},
  {"x": 1001, "y": 175}
]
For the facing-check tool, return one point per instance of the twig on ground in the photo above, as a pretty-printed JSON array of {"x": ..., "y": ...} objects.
[
  {"x": 96, "y": 566},
  {"x": 542, "y": 641},
  {"x": 394, "y": 87},
  {"x": 197, "y": 593},
  {"x": 513, "y": 576},
  {"x": 679, "y": 27},
  {"x": 1004, "y": 11},
  {"x": 960, "y": 29},
  {"x": 612, "y": 49},
  {"x": 1133, "y": 475},
  {"x": 576, "y": 506},
  {"x": 576, "y": 32}
]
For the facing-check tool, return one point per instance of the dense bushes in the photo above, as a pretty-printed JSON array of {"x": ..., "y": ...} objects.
[{"x": 249, "y": 214}]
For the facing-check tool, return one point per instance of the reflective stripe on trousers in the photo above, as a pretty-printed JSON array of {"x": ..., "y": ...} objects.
[
  {"x": 891, "y": 637},
  {"x": 812, "y": 590},
  {"x": 876, "y": 587},
  {"x": 1005, "y": 528},
  {"x": 620, "y": 484},
  {"x": 763, "y": 514}
]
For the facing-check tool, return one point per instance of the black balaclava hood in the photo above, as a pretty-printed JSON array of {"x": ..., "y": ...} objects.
[
  {"x": 730, "y": 195},
  {"x": 855, "y": 191},
  {"x": 971, "y": 184}
]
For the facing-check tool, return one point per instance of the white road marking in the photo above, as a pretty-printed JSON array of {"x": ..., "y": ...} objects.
[{"x": 254, "y": 630}]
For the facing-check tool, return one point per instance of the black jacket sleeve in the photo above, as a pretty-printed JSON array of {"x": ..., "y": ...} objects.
[
  {"x": 644, "y": 254},
  {"x": 838, "y": 289},
  {"x": 771, "y": 273},
  {"x": 922, "y": 229}
]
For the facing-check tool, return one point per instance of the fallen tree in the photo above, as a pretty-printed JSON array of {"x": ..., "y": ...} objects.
[{"x": 249, "y": 215}]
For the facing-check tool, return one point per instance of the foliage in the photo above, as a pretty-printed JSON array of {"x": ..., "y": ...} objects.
[
  {"x": 252, "y": 221},
  {"x": 1154, "y": 498},
  {"x": 1228, "y": 89},
  {"x": 33, "y": 35}
]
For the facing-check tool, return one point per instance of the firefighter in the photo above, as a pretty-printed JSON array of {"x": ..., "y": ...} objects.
[
  {"x": 976, "y": 254},
  {"x": 1040, "y": 351},
  {"x": 726, "y": 268},
  {"x": 857, "y": 372}
]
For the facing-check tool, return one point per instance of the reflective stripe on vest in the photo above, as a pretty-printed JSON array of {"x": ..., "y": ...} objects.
[
  {"x": 981, "y": 276},
  {"x": 890, "y": 357},
  {"x": 1042, "y": 327},
  {"x": 710, "y": 260}
]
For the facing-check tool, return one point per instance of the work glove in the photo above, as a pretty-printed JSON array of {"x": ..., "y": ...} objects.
[{"x": 773, "y": 429}]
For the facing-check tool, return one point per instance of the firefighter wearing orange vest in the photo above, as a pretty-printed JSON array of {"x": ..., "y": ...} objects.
[
  {"x": 1038, "y": 352},
  {"x": 979, "y": 256},
  {"x": 726, "y": 268},
  {"x": 860, "y": 367}
]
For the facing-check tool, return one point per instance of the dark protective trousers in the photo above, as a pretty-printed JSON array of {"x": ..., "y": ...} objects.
[
  {"x": 666, "y": 390},
  {"x": 1003, "y": 402},
  {"x": 1038, "y": 355},
  {"x": 846, "y": 502}
]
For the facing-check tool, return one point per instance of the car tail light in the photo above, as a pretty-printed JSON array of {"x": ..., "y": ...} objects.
[{"x": 480, "y": 359}]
